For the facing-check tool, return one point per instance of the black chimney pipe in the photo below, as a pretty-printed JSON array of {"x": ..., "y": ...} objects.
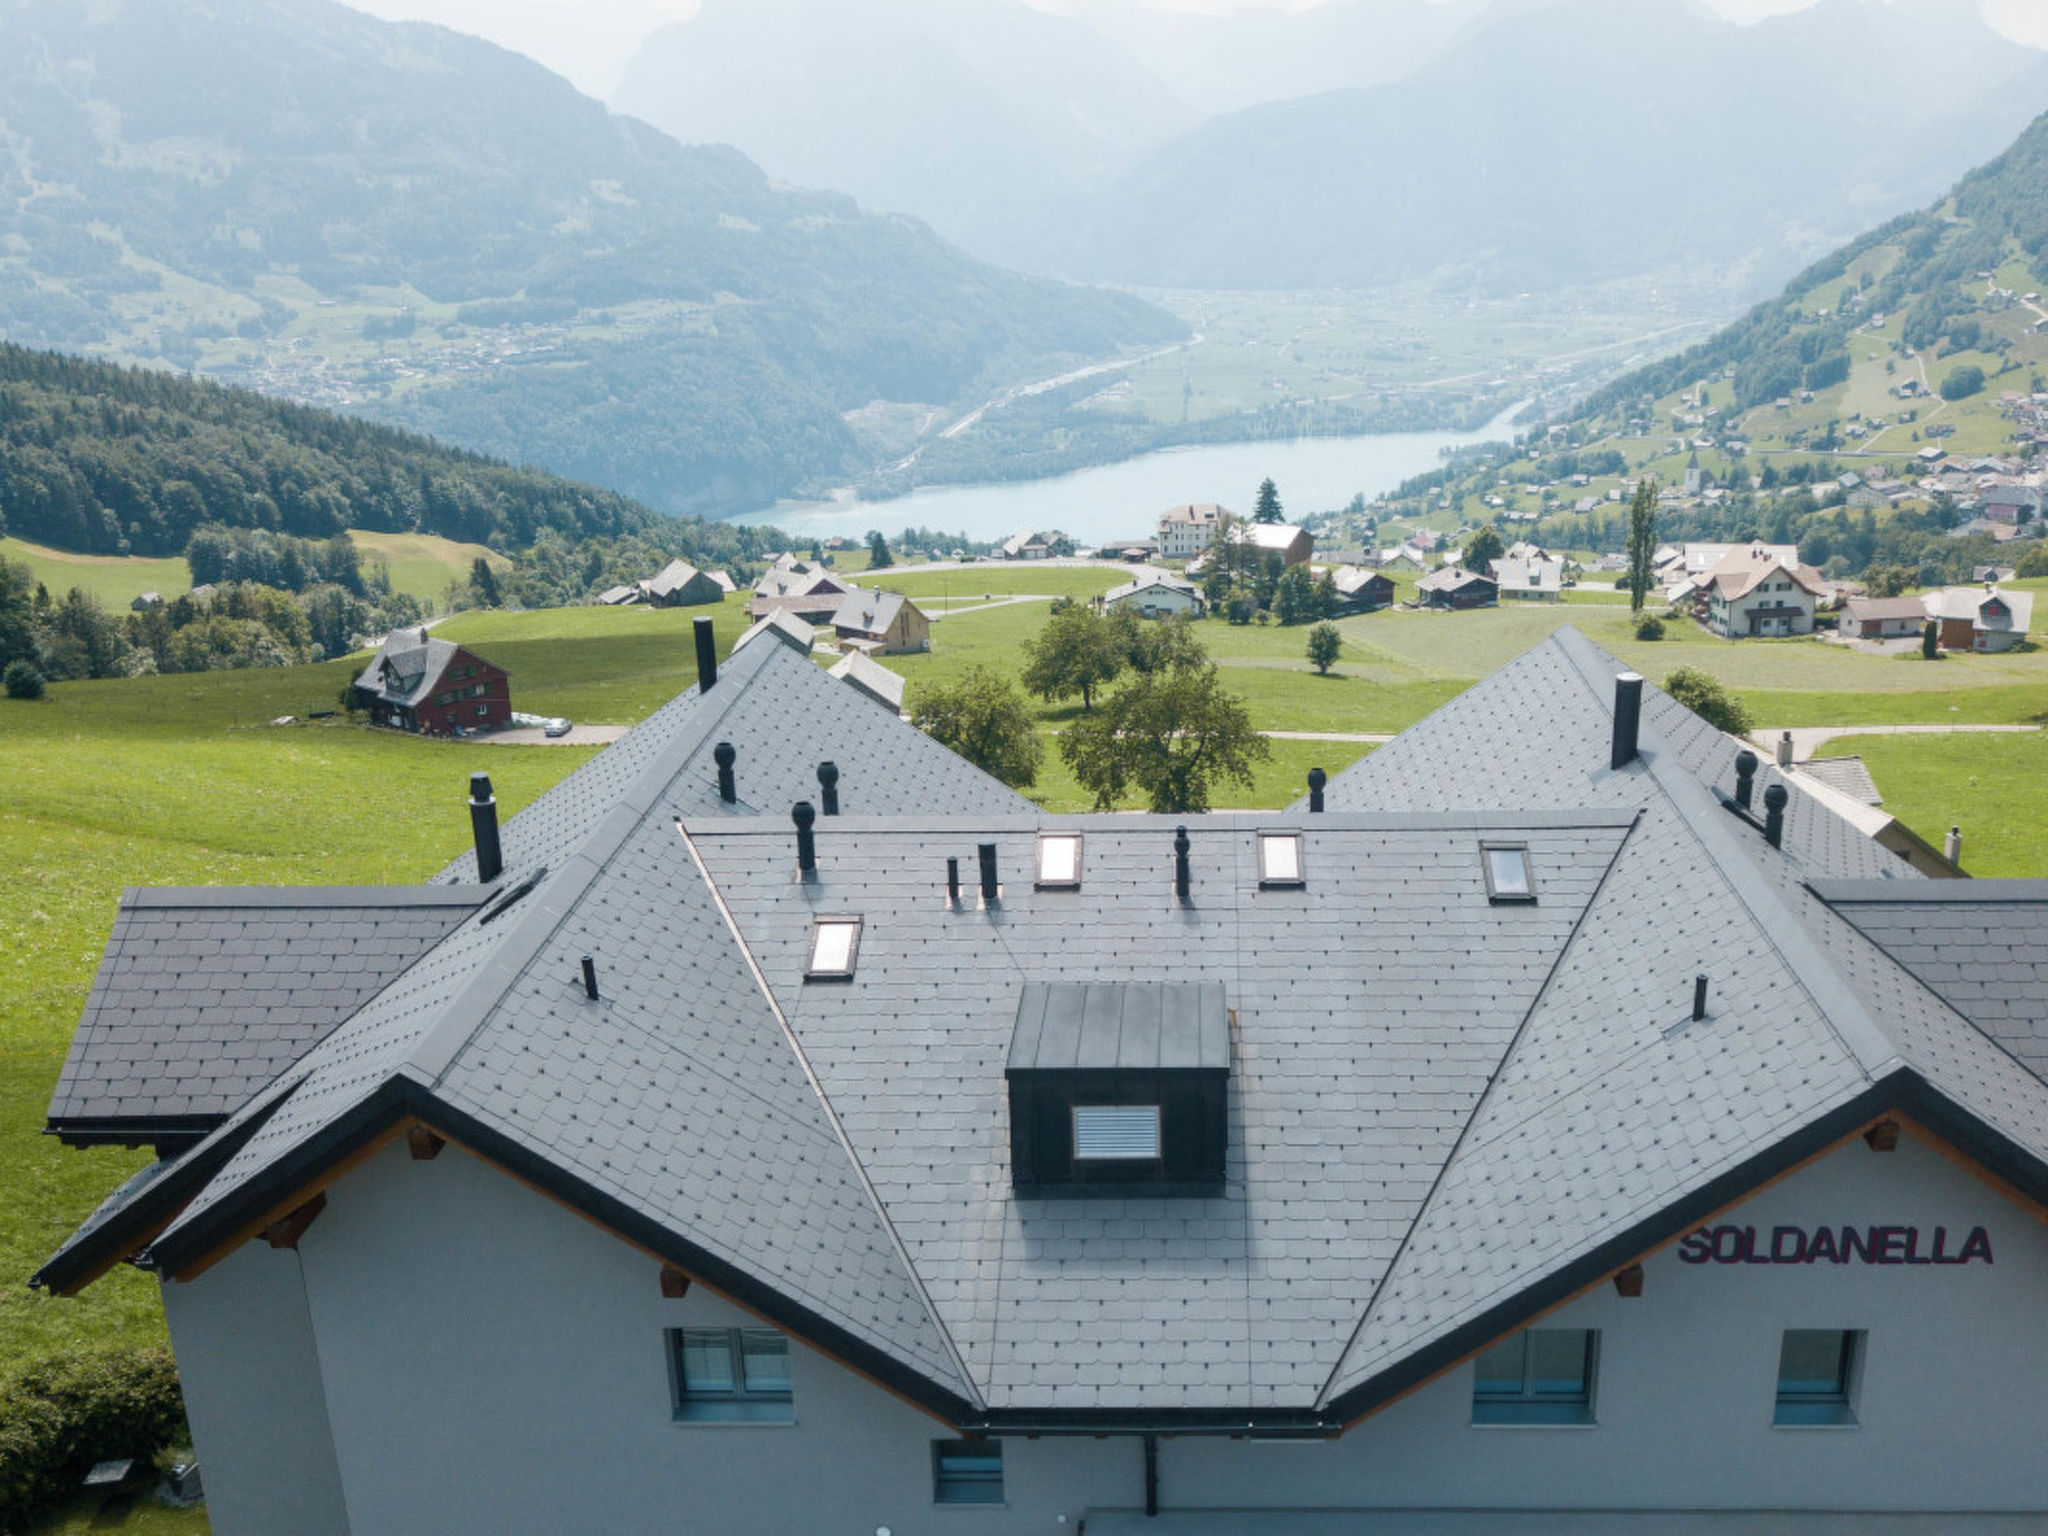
[
  {"x": 806, "y": 845},
  {"x": 724, "y": 755},
  {"x": 1774, "y": 814},
  {"x": 707, "y": 653},
  {"x": 953, "y": 881},
  {"x": 590, "y": 977},
  {"x": 483, "y": 822},
  {"x": 1316, "y": 780},
  {"x": 988, "y": 871},
  {"x": 1699, "y": 997},
  {"x": 1745, "y": 776},
  {"x": 1628, "y": 715},
  {"x": 828, "y": 787},
  {"x": 1180, "y": 862}
]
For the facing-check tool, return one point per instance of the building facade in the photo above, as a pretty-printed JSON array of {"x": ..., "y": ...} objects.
[{"x": 434, "y": 687}]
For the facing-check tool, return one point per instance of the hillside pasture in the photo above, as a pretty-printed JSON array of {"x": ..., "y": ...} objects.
[
  {"x": 116, "y": 580},
  {"x": 424, "y": 564}
]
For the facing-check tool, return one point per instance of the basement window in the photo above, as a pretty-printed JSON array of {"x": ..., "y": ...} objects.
[
  {"x": 1507, "y": 872},
  {"x": 1116, "y": 1133},
  {"x": 1059, "y": 860},
  {"x": 835, "y": 942},
  {"x": 1280, "y": 861}
]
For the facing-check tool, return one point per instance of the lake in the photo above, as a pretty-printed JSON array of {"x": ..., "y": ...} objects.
[{"x": 1123, "y": 501}]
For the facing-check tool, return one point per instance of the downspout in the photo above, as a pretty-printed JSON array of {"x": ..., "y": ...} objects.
[{"x": 1151, "y": 1475}]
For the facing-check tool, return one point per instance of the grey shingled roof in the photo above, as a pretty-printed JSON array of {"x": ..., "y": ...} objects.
[
  {"x": 1848, "y": 775},
  {"x": 205, "y": 995},
  {"x": 867, "y": 613},
  {"x": 407, "y": 666}
]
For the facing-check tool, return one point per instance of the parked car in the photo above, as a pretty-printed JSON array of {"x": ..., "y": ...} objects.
[{"x": 558, "y": 726}]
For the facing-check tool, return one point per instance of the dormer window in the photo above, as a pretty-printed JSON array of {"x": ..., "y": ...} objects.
[
  {"x": 1507, "y": 872},
  {"x": 1280, "y": 860},
  {"x": 835, "y": 942},
  {"x": 1059, "y": 860}
]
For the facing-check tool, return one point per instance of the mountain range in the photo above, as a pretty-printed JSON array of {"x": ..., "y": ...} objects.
[{"x": 266, "y": 189}]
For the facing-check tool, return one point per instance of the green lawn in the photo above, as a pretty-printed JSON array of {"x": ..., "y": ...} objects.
[
  {"x": 1990, "y": 786},
  {"x": 116, "y": 580},
  {"x": 133, "y": 1514}
]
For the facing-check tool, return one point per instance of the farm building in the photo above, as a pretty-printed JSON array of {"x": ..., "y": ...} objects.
[
  {"x": 1294, "y": 546},
  {"x": 1456, "y": 587},
  {"x": 1362, "y": 591},
  {"x": 1883, "y": 618},
  {"x": 1986, "y": 618},
  {"x": 1155, "y": 595},
  {"x": 434, "y": 687},
  {"x": 1684, "y": 1175},
  {"x": 886, "y": 623},
  {"x": 804, "y": 591},
  {"x": 680, "y": 584}
]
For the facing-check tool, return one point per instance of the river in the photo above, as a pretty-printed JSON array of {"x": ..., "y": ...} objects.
[{"x": 1122, "y": 501}]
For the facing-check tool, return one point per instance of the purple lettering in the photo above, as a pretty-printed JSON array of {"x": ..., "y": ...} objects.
[
  {"x": 1941, "y": 1256},
  {"x": 1780, "y": 1254},
  {"x": 1977, "y": 1246},
  {"x": 1822, "y": 1246},
  {"x": 1749, "y": 1253},
  {"x": 1727, "y": 1245},
  {"x": 1913, "y": 1254},
  {"x": 1859, "y": 1244},
  {"x": 1695, "y": 1247}
]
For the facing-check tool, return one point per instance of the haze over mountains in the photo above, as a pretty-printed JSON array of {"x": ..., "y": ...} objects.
[{"x": 1532, "y": 144}]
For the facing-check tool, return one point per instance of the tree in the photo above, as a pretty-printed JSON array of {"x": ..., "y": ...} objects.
[
  {"x": 22, "y": 680},
  {"x": 1152, "y": 645},
  {"x": 1327, "y": 600},
  {"x": 1888, "y": 580},
  {"x": 1962, "y": 382},
  {"x": 879, "y": 558},
  {"x": 1642, "y": 542},
  {"x": 1294, "y": 596},
  {"x": 1705, "y": 697},
  {"x": 1078, "y": 651},
  {"x": 18, "y": 611},
  {"x": 1930, "y": 641},
  {"x": 985, "y": 720},
  {"x": 1324, "y": 644},
  {"x": 1484, "y": 548},
  {"x": 483, "y": 581},
  {"x": 1167, "y": 736},
  {"x": 1267, "y": 508}
]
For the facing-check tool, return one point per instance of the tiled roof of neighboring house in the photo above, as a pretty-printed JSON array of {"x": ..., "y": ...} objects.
[
  {"x": 1147, "y": 580},
  {"x": 1746, "y": 567},
  {"x": 868, "y": 613},
  {"x": 673, "y": 577},
  {"x": 1449, "y": 579},
  {"x": 407, "y": 666},
  {"x": 1198, "y": 513},
  {"x": 1875, "y": 609},
  {"x": 784, "y": 626},
  {"x": 1529, "y": 573},
  {"x": 1435, "y": 1135},
  {"x": 1847, "y": 775},
  {"x": 799, "y": 581},
  {"x": 859, "y": 670},
  {"x": 612, "y": 597},
  {"x": 1968, "y": 603}
]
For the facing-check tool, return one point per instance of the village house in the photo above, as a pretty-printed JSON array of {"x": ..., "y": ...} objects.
[
  {"x": 1186, "y": 531},
  {"x": 1883, "y": 618},
  {"x": 1404, "y": 557},
  {"x": 1986, "y": 618},
  {"x": 619, "y": 596},
  {"x": 1362, "y": 591},
  {"x": 872, "y": 1163},
  {"x": 1532, "y": 576},
  {"x": 434, "y": 687},
  {"x": 807, "y": 593},
  {"x": 1035, "y": 544},
  {"x": 1456, "y": 587},
  {"x": 680, "y": 584},
  {"x": 1156, "y": 595},
  {"x": 1294, "y": 546},
  {"x": 1754, "y": 592},
  {"x": 886, "y": 623}
]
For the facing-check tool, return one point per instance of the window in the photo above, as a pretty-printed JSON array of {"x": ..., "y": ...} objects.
[
  {"x": 834, "y": 943},
  {"x": 731, "y": 1376},
  {"x": 967, "y": 1472},
  {"x": 1817, "y": 1376},
  {"x": 1540, "y": 1376},
  {"x": 1059, "y": 860},
  {"x": 1507, "y": 872},
  {"x": 1116, "y": 1132},
  {"x": 1280, "y": 859},
  {"x": 483, "y": 709}
]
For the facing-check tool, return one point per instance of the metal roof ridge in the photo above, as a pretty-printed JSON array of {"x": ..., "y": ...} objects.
[
  {"x": 860, "y": 1172},
  {"x": 1973, "y": 891},
  {"x": 1854, "y": 1023},
  {"x": 769, "y": 823}
]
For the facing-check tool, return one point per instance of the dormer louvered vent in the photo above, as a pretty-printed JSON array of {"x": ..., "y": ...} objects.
[{"x": 1119, "y": 1088}]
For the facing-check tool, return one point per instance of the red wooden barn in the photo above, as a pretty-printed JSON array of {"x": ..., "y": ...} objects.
[{"x": 435, "y": 687}]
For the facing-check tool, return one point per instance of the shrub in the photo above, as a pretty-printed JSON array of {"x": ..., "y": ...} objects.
[
  {"x": 1649, "y": 627},
  {"x": 22, "y": 680},
  {"x": 1705, "y": 697},
  {"x": 60, "y": 1414},
  {"x": 1930, "y": 641}
]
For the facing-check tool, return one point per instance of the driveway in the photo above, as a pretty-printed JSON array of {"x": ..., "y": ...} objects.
[{"x": 534, "y": 736}]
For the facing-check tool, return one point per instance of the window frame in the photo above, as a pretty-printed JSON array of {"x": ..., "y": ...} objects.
[
  {"x": 824, "y": 920},
  {"x": 1043, "y": 882},
  {"x": 740, "y": 1404},
  {"x": 1494, "y": 893},
  {"x": 1834, "y": 1408},
  {"x": 1269, "y": 881},
  {"x": 967, "y": 1488},
  {"x": 1156, "y": 1155},
  {"x": 1530, "y": 1407}
]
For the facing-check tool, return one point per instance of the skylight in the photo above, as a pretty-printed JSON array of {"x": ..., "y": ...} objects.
[
  {"x": 1059, "y": 859},
  {"x": 834, "y": 942},
  {"x": 1280, "y": 859},
  {"x": 1507, "y": 872}
]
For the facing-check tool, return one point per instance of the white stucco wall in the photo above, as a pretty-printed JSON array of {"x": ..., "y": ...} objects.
[
  {"x": 252, "y": 1381},
  {"x": 494, "y": 1362}
]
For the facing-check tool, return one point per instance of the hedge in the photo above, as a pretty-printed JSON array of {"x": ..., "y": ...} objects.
[{"x": 62, "y": 1413}]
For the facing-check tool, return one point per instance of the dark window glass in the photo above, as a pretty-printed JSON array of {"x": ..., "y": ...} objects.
[
  {"x": 732, "y": 1375},
  {"x": 1540, "y": 1376},
  {"x": 967, "y": 1472},
  {"x": 1816, "y": 1376}
]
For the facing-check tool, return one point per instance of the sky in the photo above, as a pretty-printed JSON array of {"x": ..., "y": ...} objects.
[{"x": 590, "y": 40}]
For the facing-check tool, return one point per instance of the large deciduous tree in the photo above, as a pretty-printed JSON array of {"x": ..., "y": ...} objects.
[
  {"x": 1484, "y": 548},
  {"x": 1168, "y": 736},
  {"x": 985, "y": 720},
  {"x": 1078, "y": 651},
  {"x": 1325, "y": 643}
]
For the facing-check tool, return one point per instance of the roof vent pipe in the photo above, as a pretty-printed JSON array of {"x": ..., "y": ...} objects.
[
  {"x": 590, "y": 977},
  {"x": 1785, "y": 750},
  {"x": 723, "y": 755},
  {"x": 1774, "y": 814},
  {"x": 1628, "y": 715},
  {"x": 483, "y": 822},
  {"x": 1316, "y": 780},
  {"x": 988, "y": 871},
  {"x": 828, "y": 787},
  {"x": 1745, "y": 776},
  {"x": 707, "y": 653},
  {"x": 1180, "y": 862},
  {"x": 953, "y": 881},
  {"x": 1699, "y": 997},
  {"x": 1952, "y": 845},
  {"x": 806, "y": 845}
]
